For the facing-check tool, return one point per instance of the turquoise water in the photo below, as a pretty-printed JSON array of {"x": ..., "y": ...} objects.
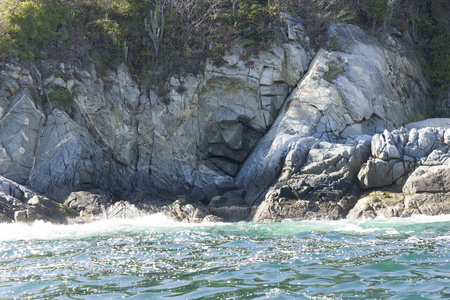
[{"x": 155, "y": 258}]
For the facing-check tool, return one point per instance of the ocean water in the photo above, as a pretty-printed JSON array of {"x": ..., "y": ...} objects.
[{"x": 156, "y": 258}]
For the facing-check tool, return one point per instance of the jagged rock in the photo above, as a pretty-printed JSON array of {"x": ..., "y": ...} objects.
[
  {"x": 396, "y": 154},
  {"x": 428, "y": 204},
  {"x": 185, "y": 211},
  {"x": 123, "y": 209},
  {"x": 294, "y": 147},
  {"x": 20, "y": 204},
  {"x": 42, "y": 208},
  {"x": 379, "y": 173},
  {"x": 281, "y": 209},
  {"x": 231, "y": 213},
  {"x": 388, "y": 205},
  {"x": 316, "y": 180},
  {"x": 212, "y": 218},
  {"x": 383, "y": 146}
]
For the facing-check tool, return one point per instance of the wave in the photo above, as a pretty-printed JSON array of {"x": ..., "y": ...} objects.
[{"x": 160, "y": 224}]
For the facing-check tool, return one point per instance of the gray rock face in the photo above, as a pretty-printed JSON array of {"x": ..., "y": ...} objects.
[
  {"x": 67, "y": 159},
  {"x": 396, "y": 154},
  {"x": 239, "y": 102},
  {"x": 20, "y": 127},
  {"x": 281, "y": 130},
  {"x": 125, "y": 139},
  {"x": 344, "y": 94},
  {"x": 316, "y": 181}
]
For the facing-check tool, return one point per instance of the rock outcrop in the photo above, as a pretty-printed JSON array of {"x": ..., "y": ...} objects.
[
  {"x": 20, "y": 204},
  {"x": 286, "y": 133},
  {"x": 117, "y": 136}
]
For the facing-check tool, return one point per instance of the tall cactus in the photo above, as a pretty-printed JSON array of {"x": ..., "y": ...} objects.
[{"x": 155, "y": 28}]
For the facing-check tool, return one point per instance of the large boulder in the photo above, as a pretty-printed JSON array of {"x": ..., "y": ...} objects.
[
  {"x": 429, "y": 179},
  {"x": 388, "y": 205},
  {"x": 316, "y": 181}
]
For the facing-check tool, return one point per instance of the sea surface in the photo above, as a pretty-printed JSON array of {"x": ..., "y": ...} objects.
[{"x": 156, "y": 258}]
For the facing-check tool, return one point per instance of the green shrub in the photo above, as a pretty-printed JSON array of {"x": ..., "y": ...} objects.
[
  {"x": 415, "y": 117},
  {"x": 37, "y": 26},
  {"x": 378, "y": 9},
  {"x": 334, "y": 45},
  {"x": 61, "y": 99},
  {"x": 333, "y": 71}
]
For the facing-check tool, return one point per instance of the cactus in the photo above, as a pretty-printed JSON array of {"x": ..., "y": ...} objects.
[
  {"x": 155, "y": 28},
  {"x": 125, "y": 50}
]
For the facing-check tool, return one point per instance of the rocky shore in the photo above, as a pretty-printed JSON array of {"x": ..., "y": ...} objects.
[{"x": 290, "y": 133}]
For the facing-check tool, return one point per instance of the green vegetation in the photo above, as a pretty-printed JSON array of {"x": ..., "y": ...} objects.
[
  {"x": 33, "y": 26},
  {"x": 155, "y": 28},
  {"x": 333, "y": 71},
  {"x": 434, "y": 30},
  {"x": 334, "y": 45},
  {"x": 160, "y": 38},
  {"x": 61, "y": 98}
]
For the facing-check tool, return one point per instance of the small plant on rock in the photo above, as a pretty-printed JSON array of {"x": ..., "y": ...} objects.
[
  {"x": 333, "y": 71},
  {"x": 61, "y": 99}
]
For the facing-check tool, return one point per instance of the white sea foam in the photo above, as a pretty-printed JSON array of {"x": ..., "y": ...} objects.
[
  {"x": 44, "y": 230},
  {"x": 159, "y": 222}
]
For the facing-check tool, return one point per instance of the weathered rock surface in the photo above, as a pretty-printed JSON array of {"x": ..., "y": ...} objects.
[
  {"x": 345, "y": 94},
  {"x": 416, "y": 161},
  {"x": 389, "y": 205},
  {"x": 396, "y": 154},
  {"x": 20, "y": 204},
  {"x": 316, "y": 181},
  {"x": 282, "y": 134},
  {"x": 134, "y": 141}
]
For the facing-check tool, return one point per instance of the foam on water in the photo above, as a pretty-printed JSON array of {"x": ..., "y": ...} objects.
[{"x": 159, "y": 223}]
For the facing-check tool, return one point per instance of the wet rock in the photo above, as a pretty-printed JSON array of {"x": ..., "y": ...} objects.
[
  {"x": 212, "y": 218},
  {"x": 186, "y": 211},
  {"x": 427, "y": 203},
  {"x": 378, "y": 205},
  {"x": 282, "y": 209},
  {"x": 360, "y": 97},
  {"x": 89, "y": 204},
  {"x": 316, "y": 182},
  {"x": 123, "y": 210},
  {"x": 42, "y": 208}
]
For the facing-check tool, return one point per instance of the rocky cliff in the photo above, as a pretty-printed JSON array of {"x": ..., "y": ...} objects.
[{"x": 285, "y": 128}]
